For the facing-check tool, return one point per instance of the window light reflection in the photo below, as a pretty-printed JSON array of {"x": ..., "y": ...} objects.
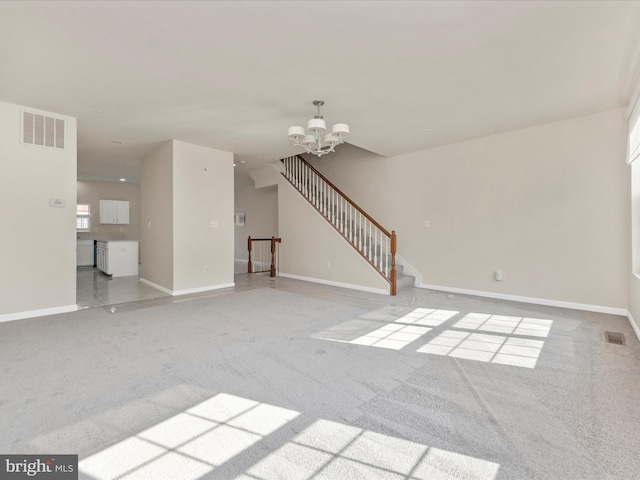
[
  {"x": 329, "y": 450},
  {"x": 394, "y": 335},
  {"x": 531, "y": 327},
  {"x": 519, "y": 352},
  {"x": 391, "y": 336},
  {"x": 195, "y": 442},
  {"x": 427, "y": 316},
  {"x": 191, "y": 443},
  {"x": 484, "y": 337}
]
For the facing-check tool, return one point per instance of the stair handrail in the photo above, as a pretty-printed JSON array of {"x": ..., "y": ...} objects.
[
  {"x": 392, "y": 277},
  {"x": 346, "y": 197}
]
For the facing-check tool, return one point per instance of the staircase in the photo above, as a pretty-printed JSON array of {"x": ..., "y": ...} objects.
[{"x": 372, "y": 241}]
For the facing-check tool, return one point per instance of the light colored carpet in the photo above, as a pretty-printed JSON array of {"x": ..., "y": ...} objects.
[{"x": 299, "y": 381}]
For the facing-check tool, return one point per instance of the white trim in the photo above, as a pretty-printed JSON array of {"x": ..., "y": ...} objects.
[
  {"x": 204, "y": 289},
  {"x": 634, "y": 325},
  {"x": 537, "y": 301},
  {"x": 187, "y": 291},
  {"x": 412, "y": 271},
  {"x": 7, "y": 317},
  {"x": 335, "y": 284},
  {"x": 155, "y": 285}
]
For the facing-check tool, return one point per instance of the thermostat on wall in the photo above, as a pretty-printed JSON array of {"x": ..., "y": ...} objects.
[{"x": 56, "y": 202}]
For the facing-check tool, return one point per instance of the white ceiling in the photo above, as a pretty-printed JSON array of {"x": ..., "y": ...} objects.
[{"x": 234, "y": 75}]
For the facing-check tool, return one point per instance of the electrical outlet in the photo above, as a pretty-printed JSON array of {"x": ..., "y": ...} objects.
[
  {"x": 206, "y": 268},
  {"x": 328, "y": 264}
]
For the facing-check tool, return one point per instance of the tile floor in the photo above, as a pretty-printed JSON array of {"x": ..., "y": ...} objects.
[{"x": 96, "y": 289}]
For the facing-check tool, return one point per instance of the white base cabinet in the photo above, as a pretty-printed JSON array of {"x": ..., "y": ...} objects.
[
  {"x": 117, "y": 258},
  {"x": 84, "y": 253}
]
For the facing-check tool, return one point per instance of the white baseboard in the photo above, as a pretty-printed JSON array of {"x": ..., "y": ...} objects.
[
  {"x": 335, "y": 284},
  {"x": 188, "y": 290},
  {"x": 537, "y": 301},
  {"x": 7, "y": 317},
  {"x": 156, "y": 286},
  {"x": 203, "y": 289},
  {"x": 634, "y": 324}
]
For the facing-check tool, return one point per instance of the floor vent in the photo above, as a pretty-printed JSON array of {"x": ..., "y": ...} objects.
[
  {"x": 42, "y": 130},
  {"x": 614, "y": 337}
]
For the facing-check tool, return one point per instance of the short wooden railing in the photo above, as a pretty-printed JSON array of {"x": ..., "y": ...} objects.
[
  {"x": 263, "y": 255},
  {"x": 375, "y": 243}
]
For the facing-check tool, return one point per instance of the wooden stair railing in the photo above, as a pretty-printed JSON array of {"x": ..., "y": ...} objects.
[
  {"x": 375, "y": 243},
  {"x": 258, "y": 256}
]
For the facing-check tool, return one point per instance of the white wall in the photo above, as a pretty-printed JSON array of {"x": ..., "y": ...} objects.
[
  {"x": 187, "y": 218},
  {"x": 156, "y": 213},
  {"x": 38, "y": 242},
  {"x": 634, "y": 220},
  {"x": 634, "y": 266},
  {"x": 92, "y": 192},
  {"x": 261, "y": 208},
  {"x": 203, "y": 207},
  {"x": 312, "y": 249},
  {"x": 546, "y": 205}
]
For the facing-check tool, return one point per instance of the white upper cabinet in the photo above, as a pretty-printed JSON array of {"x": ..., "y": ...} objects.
[{"x": 114, "y": 211}]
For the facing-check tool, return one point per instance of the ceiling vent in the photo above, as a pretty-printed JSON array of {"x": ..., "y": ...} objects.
[{"x": 42, "y": 130}]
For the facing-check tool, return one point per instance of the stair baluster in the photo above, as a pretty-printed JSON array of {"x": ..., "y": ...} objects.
[{"x": 367, "y": 236}]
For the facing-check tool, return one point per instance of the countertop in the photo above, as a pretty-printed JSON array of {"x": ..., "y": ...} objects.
[{"x": 106, "y": 239}]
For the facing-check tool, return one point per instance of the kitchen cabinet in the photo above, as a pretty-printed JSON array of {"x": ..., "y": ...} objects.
[
  {"x": 84, "y": 253},
  {"x": 117, "y": 258},
  {"x": 114, "y": 212}
]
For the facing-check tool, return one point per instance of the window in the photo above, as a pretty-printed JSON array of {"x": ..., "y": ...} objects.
[
  {"x": 83, "y": 217},
  {"x": 634, "y": 141}
]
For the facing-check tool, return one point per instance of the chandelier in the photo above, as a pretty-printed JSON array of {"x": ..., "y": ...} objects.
[{"x": 313, "y": 140}]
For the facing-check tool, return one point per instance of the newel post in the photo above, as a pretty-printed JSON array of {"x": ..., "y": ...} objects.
[
  {"x": 273, "y": 255},
  {"x": 393, "y": 262},
  {"x": 249, "y": 267}
]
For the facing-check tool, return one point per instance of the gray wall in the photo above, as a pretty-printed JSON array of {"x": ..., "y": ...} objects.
[
  {"x": 549, "y": 206},
  {"x": 312, "y": 249},
  {"x": 92, "y": 192},
  {"x": 37, "y": 241},
  {"x": 202, "y": 217},
  {"x": 156, "y": 213},
  {"x": 187, "y": 218},
  {"x": 261, "y": 208}
]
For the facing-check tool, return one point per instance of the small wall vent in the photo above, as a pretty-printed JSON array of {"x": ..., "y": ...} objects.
[
  {"x": 614, "y": 337},
  {"x": 42, "y": 130}
]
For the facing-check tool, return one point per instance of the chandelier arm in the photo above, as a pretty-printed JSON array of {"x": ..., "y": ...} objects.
[{"x": 312, "y": 141}]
